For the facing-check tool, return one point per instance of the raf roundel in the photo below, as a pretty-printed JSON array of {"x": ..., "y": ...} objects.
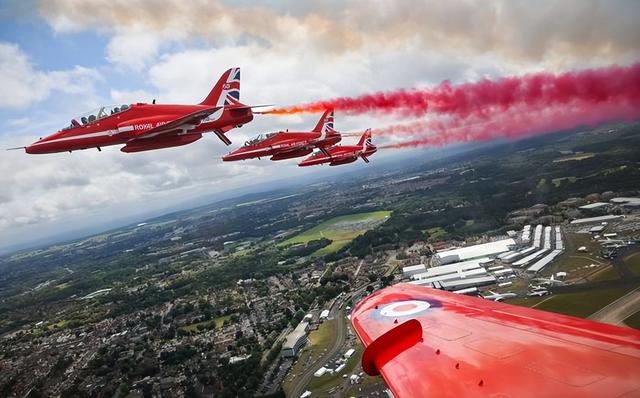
[{"x": 405, "y": 308}]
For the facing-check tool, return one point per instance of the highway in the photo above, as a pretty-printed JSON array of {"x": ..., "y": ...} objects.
[
  {"x": 616, "y": 312},
  {"x": 304, "y": 379}
]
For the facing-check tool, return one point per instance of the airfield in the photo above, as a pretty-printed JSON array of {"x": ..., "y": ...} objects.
[
  {"x": 340, "y": 230},
  {"x": 217, "y": 292}
]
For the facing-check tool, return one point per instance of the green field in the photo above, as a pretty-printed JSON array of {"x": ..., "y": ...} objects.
[
  {"x": 574, "y": 261},
  {"x": 581, "y": 304},
  {"x": 633, "y": 263},
  {"x": 341, "y": 230},
  {"x": 604, "y": 274},
  {"x": 204, "y": 325},
  {"x": 59, "y": 325},
  {"x": 558, "y": 181},
  {"x": 436, "y": 233},
  {"x": 633, "y": 321}
]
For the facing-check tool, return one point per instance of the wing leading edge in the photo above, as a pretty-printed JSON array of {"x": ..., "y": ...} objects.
[{"x": 426, "y": 342}]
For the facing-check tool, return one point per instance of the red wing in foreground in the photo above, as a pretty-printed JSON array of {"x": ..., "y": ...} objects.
[{"x": 431, "y": 343}]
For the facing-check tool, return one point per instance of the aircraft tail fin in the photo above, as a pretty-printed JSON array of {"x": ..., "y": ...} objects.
[
  {"x": 365, "y": 139},
  {"x": 325, "y": 124},
  {"x": 226, "y": 91}
]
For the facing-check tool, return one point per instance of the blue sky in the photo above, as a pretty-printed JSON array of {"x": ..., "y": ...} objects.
[{"x": 60, "y": 58}]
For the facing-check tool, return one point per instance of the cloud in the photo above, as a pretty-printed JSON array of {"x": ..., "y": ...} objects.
[
  {"x": 558, "y": 32},
  {"x": 290, "y": 52},
  {"x": 130, "y": 96},
  {"x": 27, "y": 85},
  {"x": 133, "y": 47}
]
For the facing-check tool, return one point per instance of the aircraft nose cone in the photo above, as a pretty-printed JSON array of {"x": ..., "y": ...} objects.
[
  {"x": 229, "y": 157},
  {"x": 32, "y": 149}
]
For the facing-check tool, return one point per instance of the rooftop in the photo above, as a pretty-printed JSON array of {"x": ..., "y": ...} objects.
[
  {"x": 299, "y": 332},
  {"x": 595, "y": 219},
  {"x": 471, "y": 252},
  {"x": 592, "y": 206}
]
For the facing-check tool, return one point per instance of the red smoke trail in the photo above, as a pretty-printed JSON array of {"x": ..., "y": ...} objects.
[
  {"x": 518, "y": 123},
  {"x": 604, "y": 85}
]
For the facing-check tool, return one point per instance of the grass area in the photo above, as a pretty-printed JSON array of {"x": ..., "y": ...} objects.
[
  {"x": 436, "y": 233},
  {"x": 632, "y": 261},
  {"x": 59, "y": 325},
  {"x": 604, "y": 274},
  {"x": 573, "y": 260},
  {"x": 341, "y": 230},
  {"x": 319, "y": 341},
  {"x": 526, "y": 301},
  {"x": 633, "y": 321},
  {"x": 558, "y": 181},
  {"x": 577, "y": 156},
  {"x": 581, "y": 304},
  {"x": 321, "y": 338},
  {"x": 204, "y": 325}
]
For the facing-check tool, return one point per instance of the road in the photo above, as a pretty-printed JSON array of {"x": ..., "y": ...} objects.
[
  {"x": 616, "y": 312},
  {"x": 302, "y": 381},
  {"x": 358, "y": 270}
]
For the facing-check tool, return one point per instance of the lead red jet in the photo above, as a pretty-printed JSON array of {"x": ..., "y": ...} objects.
[
  {"x": 432, "y": 343},
  {"x": 343, "y": 154},
  {"x": 286, "y": 144},
  {"x": 143, "y": 127}
]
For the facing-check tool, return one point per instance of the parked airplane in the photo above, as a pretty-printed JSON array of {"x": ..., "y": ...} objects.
[
  {"x": 343, "y": 154},
  {"x": 287, "y": 144},
  {"x": 143, "y": 127},
  {"x": 550, "y": 281},
  {"x": 538, "y": 293},
  {"x": 499, "y": 296},
  {"x": 432, "y": 343}
]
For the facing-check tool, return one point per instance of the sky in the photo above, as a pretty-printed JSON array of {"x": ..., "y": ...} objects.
[{"x": 61, "y": 58}]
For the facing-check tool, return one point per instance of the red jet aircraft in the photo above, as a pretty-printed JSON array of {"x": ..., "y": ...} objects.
[
  {"x": 143, "y": 127},
  {"x": 343, "y": 154},
  {"x": 286, "y": 145},
  {"x": 432, "y": 343}
]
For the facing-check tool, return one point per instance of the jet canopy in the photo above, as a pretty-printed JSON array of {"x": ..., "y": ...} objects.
[
  {"x": 259, "y": 138},
  {"x": 317, "y": 153},
  {"x": 97, "y": 114}
]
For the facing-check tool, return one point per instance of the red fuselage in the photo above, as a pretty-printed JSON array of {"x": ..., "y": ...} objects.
[
  {"x": 283, "y": 145},
  {"x": 338, "y": 155},
  {"x": 129, "y": 127}
]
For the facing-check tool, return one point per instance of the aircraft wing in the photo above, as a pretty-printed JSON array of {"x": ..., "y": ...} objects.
[
  {"x": 180, "y": 125},
  {"x": 431, "y": 343}
]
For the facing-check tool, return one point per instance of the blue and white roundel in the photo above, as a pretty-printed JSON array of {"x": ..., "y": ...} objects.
[{"x": 404, "y": 308}]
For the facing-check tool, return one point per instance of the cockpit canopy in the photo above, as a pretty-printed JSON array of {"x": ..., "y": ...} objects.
[
  {"x": 259, "y": 138},
  {"x": 317, "y": 153},
  {"x": 97, "y": 114}
]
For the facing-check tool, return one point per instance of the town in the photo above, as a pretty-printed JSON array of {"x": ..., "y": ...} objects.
[{"x": 252, "y": 296}]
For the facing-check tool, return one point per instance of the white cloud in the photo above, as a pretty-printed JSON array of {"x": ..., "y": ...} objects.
[
  {"x": 133, "y": 47},
  {"x": 545, "y": 31},
  {"x": 289, "y": 53},
  {"x": 130, "y": 96},
  {"x": 25, "y": 85}
]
